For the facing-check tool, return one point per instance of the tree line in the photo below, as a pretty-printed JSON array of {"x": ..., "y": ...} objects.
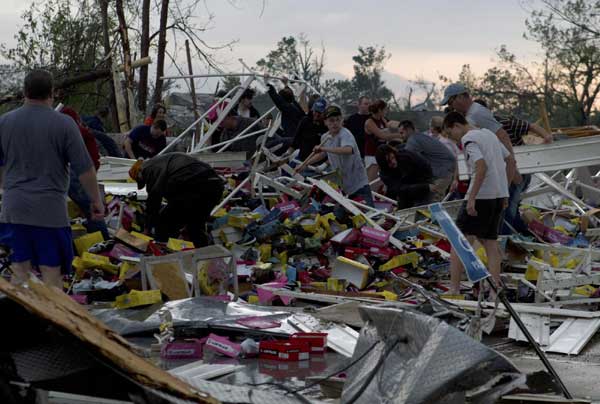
[{"x": 81, "y": 41}]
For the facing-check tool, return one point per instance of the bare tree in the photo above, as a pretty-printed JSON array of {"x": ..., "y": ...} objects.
[
  {"x": 144, "y": 51},
  {"x": 162, "y": 45}
]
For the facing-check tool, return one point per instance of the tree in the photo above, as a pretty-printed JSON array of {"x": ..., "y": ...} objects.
[
  {"x": 162, "y": 44},
  {"x": 230, "y": 82},
  {"x": 569, "y": 33},
  {"x": 368, "y": 66},
  {"x": 295, "y": 57},
  {"x": 144, "y": 52}
]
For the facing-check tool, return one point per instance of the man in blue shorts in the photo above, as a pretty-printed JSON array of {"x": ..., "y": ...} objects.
[{"x": 38, "y": 147}]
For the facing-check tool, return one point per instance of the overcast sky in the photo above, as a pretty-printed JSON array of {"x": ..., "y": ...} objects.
[{"x": 425, "y": 37}]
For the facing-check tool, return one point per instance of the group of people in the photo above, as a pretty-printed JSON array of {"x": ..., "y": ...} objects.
[
  {"x": 420, "y": 168},
  {"x": 368, "y": 152}
]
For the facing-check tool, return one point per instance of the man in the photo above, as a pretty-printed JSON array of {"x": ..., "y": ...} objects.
[
  {"x": 487, "y": 196},
  {"x": 516, "y": 129},
  {"x": 340, "y": 148},
  {"x": 310, "y": 129},
  {"x": 407, "y": 176},
  {"x": 356, "y": 123},
  {"x": 192, "y": 189},
  {"x": 38, "y": 147},
  {"x": 457, "y": 97},
  {"x": 146, "y": 141},
  {"x": 442, "y": 161},
  {"x": 291, "y": 111}
]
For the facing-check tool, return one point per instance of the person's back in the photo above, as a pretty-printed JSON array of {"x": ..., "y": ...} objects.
[
  {"x": 441, "y": 159},
  {"x": 37, "y": 144},
  {"x": 483, "y": 144}
]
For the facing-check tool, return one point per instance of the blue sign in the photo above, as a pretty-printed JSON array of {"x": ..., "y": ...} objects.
[{"x": 475, "y": 269}]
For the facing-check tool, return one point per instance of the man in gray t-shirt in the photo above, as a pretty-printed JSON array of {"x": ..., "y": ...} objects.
[
  {"x": 38, "y": 146},
  {"x": 441, "y": 159},
  {"x": 339, "y": 146}
]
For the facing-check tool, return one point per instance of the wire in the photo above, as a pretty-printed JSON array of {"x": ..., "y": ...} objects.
[
  {"x": 375, "y": 370},
  {"x": 329, "y": 376}
]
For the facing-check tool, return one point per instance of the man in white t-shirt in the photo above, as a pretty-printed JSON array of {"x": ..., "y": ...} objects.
[{"x": 480, "y": 216}]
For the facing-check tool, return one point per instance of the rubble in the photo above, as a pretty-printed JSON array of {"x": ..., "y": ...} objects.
[{"x": 299, "y": 275}]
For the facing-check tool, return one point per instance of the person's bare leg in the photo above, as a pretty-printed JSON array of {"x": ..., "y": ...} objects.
[
  {"x": 456, "y": 270},
  {"x": 21, "y": 271},
  {"x": 52, "y": 276},
  {"x": 492, "y": 250}
]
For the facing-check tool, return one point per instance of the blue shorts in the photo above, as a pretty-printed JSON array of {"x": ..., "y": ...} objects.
[{"x": 46, "y": 246}]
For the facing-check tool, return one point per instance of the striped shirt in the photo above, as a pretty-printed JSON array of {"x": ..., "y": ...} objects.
[{"x": 516, "y": 128}]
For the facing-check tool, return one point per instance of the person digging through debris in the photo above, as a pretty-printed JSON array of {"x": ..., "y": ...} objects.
[
  {"x": 192, "y": 189},
  {"x": 146, "y": 141},
  {"x": 442, "y": 161},
  {"x": 340, "y": 148},
  {"x": 407, "y": 176},
  {"x": 480, "y": 215},
  {"x": 39, "y": 147}
]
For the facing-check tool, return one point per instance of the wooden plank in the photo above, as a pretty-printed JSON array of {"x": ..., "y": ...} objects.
[{"x": 56, "y": 307}]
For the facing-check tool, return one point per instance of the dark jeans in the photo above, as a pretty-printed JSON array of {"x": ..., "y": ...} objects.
[
  {"x": 82, "y": 200},
  {"x": 511, "y": 213},
  {"x": 192, "y": 212}
]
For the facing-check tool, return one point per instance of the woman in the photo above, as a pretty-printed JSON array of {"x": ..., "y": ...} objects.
[
  {"x": 159, "y": 113},
  {"x": 376, "y": 132}
]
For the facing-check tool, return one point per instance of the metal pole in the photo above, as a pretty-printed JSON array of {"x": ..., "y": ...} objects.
[
  {"x": 225, "y": 112},
  {"x": 248, "y": 128},
  {"x": 230, "y": 141},
  {"x": 198, "y": 76},
  {"x": 525, "y": 331},
  {"x": 192, "y": 87},
  {"x": 185, "y": 132}
]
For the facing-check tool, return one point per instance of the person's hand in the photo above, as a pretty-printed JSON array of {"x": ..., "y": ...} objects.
[
  {"x": 318, "y": 149},
  {"x": 97, "y": 211},
  {"x": 453, "y": 186},
  {"x": 548, "y": 139},
  {"x": 471, "y": 207},
  {"x": 505, "y": 203},
  {"x": 517, "y": 178}
]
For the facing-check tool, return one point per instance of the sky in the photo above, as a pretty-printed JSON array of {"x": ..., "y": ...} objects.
[{"x": 426, "y": 38}]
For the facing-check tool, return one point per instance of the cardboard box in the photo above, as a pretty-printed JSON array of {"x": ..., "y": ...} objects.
[
  {"x": 316, "y": 340},
  {"x": 291, "y": 350},
  {"x": 373, "y": 237},
  {"x": 352, "y": 271}
]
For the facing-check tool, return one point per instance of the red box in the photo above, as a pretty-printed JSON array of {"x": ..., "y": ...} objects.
[
  {"x": 316, "y": 340},
  {"x": 291, "y": 350}
]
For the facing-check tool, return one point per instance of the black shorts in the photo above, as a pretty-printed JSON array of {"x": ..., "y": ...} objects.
[{"x": 487, "y": 222}]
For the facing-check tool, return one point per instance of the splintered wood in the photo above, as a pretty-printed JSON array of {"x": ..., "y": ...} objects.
[{"x": 57, "y": 308}]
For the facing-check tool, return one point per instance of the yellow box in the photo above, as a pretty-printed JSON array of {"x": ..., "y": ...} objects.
[
  {"x": 175, "y": 244},
  {"x": 83, "y": 243},
  {"x": 137, "y": 298},
  {"x": 336, "y": 285},
  {"x": 265, "y": 251},
  {"x": 358, "y": 221},
  {"x": 98, "y": 261},
  {"x": 401, "y": 260},
  {"x": 253, "y": 299},
  {"x": 389, "y": 296}
]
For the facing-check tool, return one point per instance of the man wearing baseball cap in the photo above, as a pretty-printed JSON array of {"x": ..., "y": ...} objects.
[
  {"x": 310, "y": 129},
  {"x": 458, "y": 98},
  {"x": 192, "y": 189},
  {"x": 339, "y": 147}
]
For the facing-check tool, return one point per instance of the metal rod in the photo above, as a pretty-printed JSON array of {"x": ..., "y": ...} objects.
[
  {"x": 185, "y": 132},
  {"x": 228, "y": 197},
  {"x": 197, "y": 76},
  {"x": 525, "y": 331},
  {"x": 236, "y": 98},
  {"x": 230, "y": 141},
  {"x": 263, "y": 116}
]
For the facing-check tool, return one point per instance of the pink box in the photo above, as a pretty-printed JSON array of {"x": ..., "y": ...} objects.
[
  {"x": 223, "y": 346},
  {"x": 186, "y": 349},
  {"x": 287, "y": 208},
  {"x": 374, "y": 238}
]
